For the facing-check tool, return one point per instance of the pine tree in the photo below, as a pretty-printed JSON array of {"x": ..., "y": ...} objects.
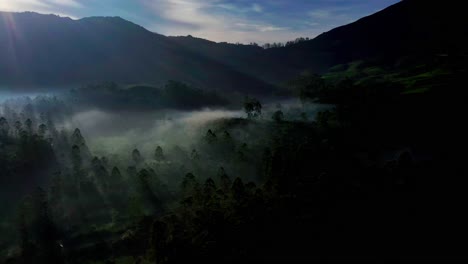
[
  {"x": 159, "y": 154},
  {"x": 4, "y": 127},
  {"x": 136, "y": 156}
]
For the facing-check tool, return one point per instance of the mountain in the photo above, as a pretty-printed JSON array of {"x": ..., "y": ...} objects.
[
  {"x": 47, "y": 50},
  {"x": 408, "y": 28},
  {"x": 50, "y": 50},
  {"x": 411, "y": 31}
]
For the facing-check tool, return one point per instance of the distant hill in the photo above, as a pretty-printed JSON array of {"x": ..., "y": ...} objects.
[
  {"x": 411, "y": 31},
  {"x": 408, "y": 28},
  {"x": 50, "y": 50},
  {"x": 46, "y": 50}
]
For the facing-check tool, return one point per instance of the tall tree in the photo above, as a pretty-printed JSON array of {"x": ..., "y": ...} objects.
[
  {"x": 252, "y": 107},
  {"x": 136, "y": 156},
  {"x": 159, "y": 154},
  {"x": 4, "y": 127}
]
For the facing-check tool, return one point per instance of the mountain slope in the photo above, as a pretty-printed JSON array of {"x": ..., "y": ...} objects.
[
  {"x": 49, "y": 50},
  {"x": 409, "y": 28},
  {"x": 406, "y": 28}
]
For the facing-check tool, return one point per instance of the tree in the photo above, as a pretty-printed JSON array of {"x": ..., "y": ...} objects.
[
  {"x": 131, "y": 172},
  {"x": 224, "y": 181},
  {"x": 136, "y": 156},
  {"x": 194, "y": 155},
  {"x": 238, "y": 189},
  {"x": 159, "y": 241},
  {"x": 78, "y": 140},
  {"x": 26, "y": 245},
  {"x": 189, "y": 185},
  {"x": 48, "y": 236},
  {"x": 148, "y": 193},
  {"x": 209, "y": 187},
  {"x": 159, "y": 154},
  {"x": 209, "y": 191},
  {"x": 29, "y": 126},
  {"x": 135, "y": 208},
  {"x": 42, "y": 129},
  {"x": 324, "y": 117},
  {"x": 252, "y": 107},
  {"x": 309, "y": 86},
  {"x": 117, "y": 192},
  {"x": 278, "y": 116},
  {"x": 210, "y": 137},
  {"x": 4, "y": 127},
  {"x": 77, "y": 163},
  {"x": 56, "y": 196},
  {"x": 116, "y": 175},
  {"x": 266, "y": 164},
  {"x": 102, "y": 176},
  {"x": 28, "y": 109},
  {"x": 18, "y": 128}
]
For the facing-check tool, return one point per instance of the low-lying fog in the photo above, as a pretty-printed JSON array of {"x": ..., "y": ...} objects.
[{"x": 110, "y": 133}]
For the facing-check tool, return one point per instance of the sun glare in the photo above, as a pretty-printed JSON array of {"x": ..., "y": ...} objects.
[{"x": 13, "y": 35}]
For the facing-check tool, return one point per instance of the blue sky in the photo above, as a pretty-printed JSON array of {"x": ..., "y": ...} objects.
[{"x": 218, "y": 20}]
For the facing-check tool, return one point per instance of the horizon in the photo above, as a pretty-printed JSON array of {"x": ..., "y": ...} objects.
[{"x": 232, "y": 21}]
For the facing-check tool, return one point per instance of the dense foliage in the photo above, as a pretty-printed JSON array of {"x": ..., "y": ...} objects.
[{"x": 254, "y": 189}]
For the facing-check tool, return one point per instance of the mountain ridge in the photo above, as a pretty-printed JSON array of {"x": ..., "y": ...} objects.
[
  {"x": 101, "y": 49},
  {"x": 113, "y": 49}
]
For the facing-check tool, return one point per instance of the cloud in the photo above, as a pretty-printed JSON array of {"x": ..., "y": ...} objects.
[
  {"x": 260, "y": 27},
  {"x": 69, "y": 3},
  {"x": 320, "y": 14},
  {"x": 22, "y": 5},
  {"x": 257, "y": 8},
  {"x": 58, "y": 7},
  {"x": 219, "y": 20},
  {"x": 330, "y": 17},
  {"x": 212, "y": 19},
  {"x": 184, "y": 12}
]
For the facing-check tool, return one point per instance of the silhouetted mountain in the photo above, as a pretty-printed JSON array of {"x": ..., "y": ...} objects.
[
  {"x": 411, "y": 28},
  {"x": 50, "y": 50},
  {"x": 249, "y": 59},
  {"x": 40, "y": 50}
]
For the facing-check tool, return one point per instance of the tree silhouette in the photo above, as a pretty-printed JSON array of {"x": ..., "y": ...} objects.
[
  {"x": 4, "y": 127},
  {"x": 252, "y": 107},
  {"x": 224, "y": 181},
  {"x": 136, "y": 156},
  {"x": 159, "y": 154},
  {"x": 278, "y": 116},
  {"x": 29, "y": 126},
  {"x": 309, "y": 86},
  {"x": 42, "y": 129}
]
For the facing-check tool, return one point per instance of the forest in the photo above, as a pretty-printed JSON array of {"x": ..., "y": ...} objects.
[{"x": 228, "y": 186}]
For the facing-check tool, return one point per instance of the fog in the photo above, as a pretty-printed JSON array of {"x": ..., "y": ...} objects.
[
  {"x": 115, "y": 132},
  {"x": 109, "y": 132},
  {"x": 127, "y": 162},
  {"x": 221, "y": 137},
  {"x": 112, "y": 133},
  {"x": 7, "y": 95}
]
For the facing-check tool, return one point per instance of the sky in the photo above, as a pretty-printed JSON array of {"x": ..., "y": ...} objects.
[{"x": 232, "y": 21}]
